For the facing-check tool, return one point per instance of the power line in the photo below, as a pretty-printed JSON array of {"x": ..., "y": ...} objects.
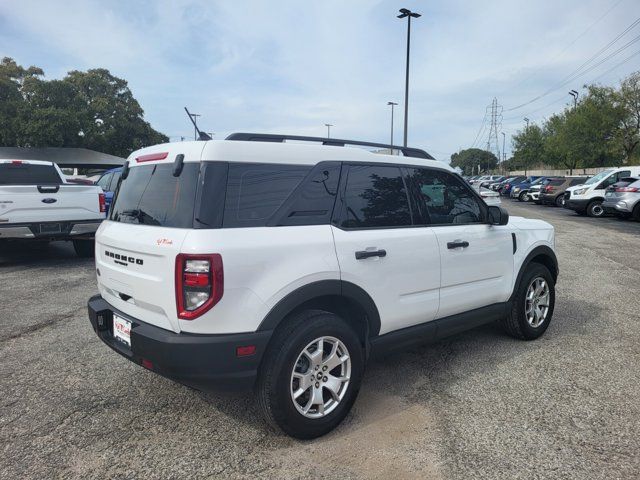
[
  {"x": 617, "y": 65},
  {"x": 598, "y": 20},
  {"x": 579, "y": 71},
  {"x": 484, "y": 119}
]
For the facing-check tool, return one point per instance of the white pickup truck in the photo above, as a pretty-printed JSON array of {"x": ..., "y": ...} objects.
[{"x": 37, "y": 203}]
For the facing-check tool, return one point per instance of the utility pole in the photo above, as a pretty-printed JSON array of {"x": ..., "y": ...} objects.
[
  {"x": 393, "y": 104},
  {"x": 405, "y": 12},
  {"x": 195, "y": 124},
  {"x": 328, "y": 125}
]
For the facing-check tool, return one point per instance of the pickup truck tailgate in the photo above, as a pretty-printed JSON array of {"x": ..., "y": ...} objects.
[{"x": 46, "y": 203}]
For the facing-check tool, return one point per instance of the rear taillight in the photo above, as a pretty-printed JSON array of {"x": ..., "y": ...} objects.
[
  {"x": 199, "y": 284},
  {"x": 102, "y": 202},
  {"x": 627, "y": 189},
  {"x": 548, "y": 188}
]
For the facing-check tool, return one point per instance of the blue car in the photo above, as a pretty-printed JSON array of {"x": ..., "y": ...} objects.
[
  {"x": 520, "y": 190},
  {"x": 108, "y": 182}
]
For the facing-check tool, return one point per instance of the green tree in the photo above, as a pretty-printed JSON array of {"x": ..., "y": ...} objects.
[
  {"x": 528, "y": 147},
  {"x": 469, "y": 159},
  {"x": 628, "y": 99},
  {"x": 92, "y": 109}
]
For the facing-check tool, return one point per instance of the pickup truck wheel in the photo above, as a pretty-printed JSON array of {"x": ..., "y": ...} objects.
[
  {"x": 84, "y": 248},
  {"x": 594, "y": 209},
  {"x": 311, "y": 374},
  {"x": 560, "y": 201},
  {"x": 533, "y": 304}
]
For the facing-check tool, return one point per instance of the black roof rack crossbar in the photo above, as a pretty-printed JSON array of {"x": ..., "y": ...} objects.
[{"x": 336, "y": 142}]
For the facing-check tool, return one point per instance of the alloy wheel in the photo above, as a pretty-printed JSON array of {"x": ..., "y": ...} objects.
[
  {"x": 537, "y": 302},
  {"x": 320, "y": 377}
]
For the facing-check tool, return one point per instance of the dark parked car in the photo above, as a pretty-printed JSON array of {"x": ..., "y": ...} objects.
[
  {"x": 553, "y": 192},
  {"x": 506, "y": 188},
  {"x": 521, "y": 190}
]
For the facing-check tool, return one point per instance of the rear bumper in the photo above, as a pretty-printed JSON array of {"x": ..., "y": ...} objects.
[
  {"x": 546, "y": 198},
  {"x": 204, "y": 362},
  {"x": 50, "y": 230}
]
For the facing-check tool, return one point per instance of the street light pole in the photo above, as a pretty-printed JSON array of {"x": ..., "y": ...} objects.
[
  {"x": 574, "y": 94},
  {"x": 504, "y": 153},
  {"x": 393, "y": 104},
  {"x": 526, "y": 120},
  {"x": 328, "y": 125},
  {"x": 404, "y": 12}
]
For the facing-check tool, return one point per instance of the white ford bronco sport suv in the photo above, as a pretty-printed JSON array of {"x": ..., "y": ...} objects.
[{"x": 261, "y": 263}]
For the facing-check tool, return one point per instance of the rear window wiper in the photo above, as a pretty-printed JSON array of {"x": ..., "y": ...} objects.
[{"x": 141, "y": 216}]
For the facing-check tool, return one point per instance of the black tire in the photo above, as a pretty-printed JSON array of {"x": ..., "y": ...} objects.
[
  {"x": 84, "y": 248},
  {"x": 636, "y": 213},
  {"x": 515, "y": 323},
  {"x": 274, "y": 381},
  {"x": 523, "y": 197},
  {"x": 594, "y": 209},
  {"x": 559, "y": 201}
]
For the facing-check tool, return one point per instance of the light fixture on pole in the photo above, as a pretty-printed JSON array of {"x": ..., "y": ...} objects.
[
  {"x": 393, "y": 104},
  {"x": 328, "y": 125},
  {"x": 527, "y": 120},
  {"x": 405, "y": 12},
  {"x": 574, "y": 94}
]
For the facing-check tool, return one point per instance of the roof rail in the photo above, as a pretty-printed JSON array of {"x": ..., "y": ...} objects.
[{"x": 336, "y": 142}]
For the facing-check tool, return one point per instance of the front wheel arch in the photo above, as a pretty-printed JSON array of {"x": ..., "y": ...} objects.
[{"x": 542, "y": 254}]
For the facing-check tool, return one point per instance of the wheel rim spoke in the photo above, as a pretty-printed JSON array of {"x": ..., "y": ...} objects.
[{"x": 537, "y": 302}]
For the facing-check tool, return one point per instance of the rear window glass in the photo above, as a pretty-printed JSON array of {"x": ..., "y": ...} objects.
[
  {"x": 577, "y": 181},
  {"x": 28, "y": 174},
  {"x": 151, "y": 195},
  {"x": 558, "y": 181},
  {"x": 256, "y": 190}
]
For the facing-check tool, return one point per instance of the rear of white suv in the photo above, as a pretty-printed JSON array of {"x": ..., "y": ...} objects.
[{"x": 281, "y": 267}]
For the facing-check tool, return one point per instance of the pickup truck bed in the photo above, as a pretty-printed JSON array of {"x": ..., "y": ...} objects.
[{"x": 36, "y": 203}]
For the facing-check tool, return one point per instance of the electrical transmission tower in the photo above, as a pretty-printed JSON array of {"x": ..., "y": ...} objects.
[{"x": 495, "y": 127}]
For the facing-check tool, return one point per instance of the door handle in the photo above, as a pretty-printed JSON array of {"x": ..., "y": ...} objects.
[
  {"x": 457, "y": 244},
  {"x": 362, "y": 254}
]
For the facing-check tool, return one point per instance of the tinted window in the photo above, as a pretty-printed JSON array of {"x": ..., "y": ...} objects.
[
  {"x": 114, "y": 181},
  {"x": 151, "y": 195},
  {"x": 577, "y": 181},
  {"x": 28, "y": 174},
  {"x": 256, "y": 190},
  {"x": 557, "y": 182},
  {"x": 313, "y": 200},
  {"x": 104, "y": 181},
  {"x": 375, "y": 196},
  {"x": 442, "y": 198}
]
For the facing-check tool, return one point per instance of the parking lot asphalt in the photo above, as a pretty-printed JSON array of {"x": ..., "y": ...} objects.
[{"x": 477, "y": 405}]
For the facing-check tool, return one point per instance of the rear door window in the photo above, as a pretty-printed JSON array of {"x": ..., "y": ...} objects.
[
  {"x": 151, "y": 195},
  {"x": 375, "y": 196},
  {"x": 28, "y": 174},
  {"x": 255, "y": 191}
]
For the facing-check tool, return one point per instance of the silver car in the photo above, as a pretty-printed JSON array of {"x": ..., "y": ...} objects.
[{"x": 623, "y": 200}]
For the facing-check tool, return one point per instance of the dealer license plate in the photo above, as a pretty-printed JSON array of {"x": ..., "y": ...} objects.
[{"x": 122, "y": 330}]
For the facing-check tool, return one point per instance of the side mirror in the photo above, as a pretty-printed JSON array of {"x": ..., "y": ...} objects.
[{"x": 498, "y": 215}]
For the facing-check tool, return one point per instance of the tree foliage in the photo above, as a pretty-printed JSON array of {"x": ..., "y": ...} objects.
[
  {"x": 469, "y": 159},
  {"x": 603, "y": 129},
  {"x": 91, "y": 109}
]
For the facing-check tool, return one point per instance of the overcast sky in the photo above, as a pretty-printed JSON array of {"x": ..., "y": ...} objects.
[{"x": 292, "y": 66}]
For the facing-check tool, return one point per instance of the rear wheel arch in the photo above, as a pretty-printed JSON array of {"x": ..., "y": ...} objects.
[{"x": 345, "y": 299}]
